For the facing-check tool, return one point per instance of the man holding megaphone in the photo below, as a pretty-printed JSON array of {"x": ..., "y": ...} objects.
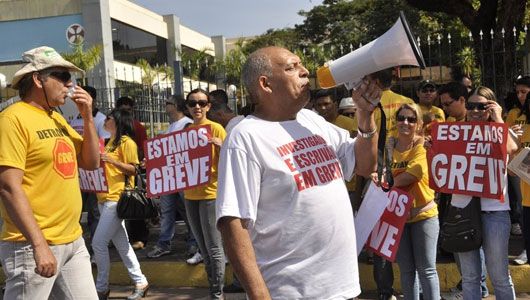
[{"x": 282, "y": 207}]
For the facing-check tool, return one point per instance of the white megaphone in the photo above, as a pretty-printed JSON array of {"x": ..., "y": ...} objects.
[{"x": 396, "y": 47}]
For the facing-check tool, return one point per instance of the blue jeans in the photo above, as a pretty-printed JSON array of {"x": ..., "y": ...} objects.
[
  {"x": 169, "y": 206},
  {"x": 483, "y": 275},
  {"x": 201, "y": 215},
  {"x": 417, "y": 253},
  {"x": 495, "y": 236}
]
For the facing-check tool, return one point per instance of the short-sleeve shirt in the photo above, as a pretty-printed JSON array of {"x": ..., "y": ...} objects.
[
  {"x": 285, "y": 180},
  {"x": 209, "y": 191},
  {"x": 414, "y": 162},
  {"x": 350, "y": 125},
  {"x": 45, "y": 147},
  {"x": 127, "y": 153}
]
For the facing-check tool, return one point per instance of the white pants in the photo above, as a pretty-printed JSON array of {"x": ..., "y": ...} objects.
[
  {"x": 110, "y": 227},
  {"x": 73, "y": 279}
]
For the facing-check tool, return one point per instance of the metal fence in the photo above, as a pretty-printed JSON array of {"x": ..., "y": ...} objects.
[{"x": 498, "y": 68}]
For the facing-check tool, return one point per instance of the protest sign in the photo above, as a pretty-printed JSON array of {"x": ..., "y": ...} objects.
[
  {"x": 386, "y": 234},
  {"x": 468, "y": 158},
  {"x": 372, "y": 207},
  {"x": 94, "y": 181},
  {"x": 520, "y": 165},
  {"x": 178, "y": 161}
]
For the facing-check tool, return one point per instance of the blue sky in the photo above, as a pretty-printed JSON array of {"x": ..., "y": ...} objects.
[{"x": 232, "y": 18}]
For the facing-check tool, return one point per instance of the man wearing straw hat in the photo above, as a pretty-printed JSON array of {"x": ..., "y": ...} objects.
[{"x": 41, "y": 249}]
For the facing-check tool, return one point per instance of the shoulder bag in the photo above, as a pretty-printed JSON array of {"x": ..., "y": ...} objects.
[
  {"x": 462, "y": 227},
  {"x": 133, "y": 203}
]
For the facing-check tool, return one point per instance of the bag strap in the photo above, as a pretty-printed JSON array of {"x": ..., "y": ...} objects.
[
  {"x": 138, "y": 179},
  {"x": 384, "y": 164}
]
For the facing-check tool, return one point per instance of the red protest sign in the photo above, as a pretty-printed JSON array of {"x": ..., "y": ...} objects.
[
  {"x": 178, "y": 161},
  {"x": 94, "y": 181},
  {"x": 386, "y": 235},
  {"x": 468, "y": 158}
]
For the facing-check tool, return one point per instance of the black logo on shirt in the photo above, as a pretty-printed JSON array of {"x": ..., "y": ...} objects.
[{"x": 52, "y": 133}]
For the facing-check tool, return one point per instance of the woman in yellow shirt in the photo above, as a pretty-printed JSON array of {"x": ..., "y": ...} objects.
[
  {"x": 417, "y": 249},
  {"x": 200, "y": 201},
  {"x": 120, "y": 158}
]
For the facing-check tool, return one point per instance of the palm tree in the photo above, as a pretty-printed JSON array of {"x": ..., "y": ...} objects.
[{"x": 84, "y": 59}]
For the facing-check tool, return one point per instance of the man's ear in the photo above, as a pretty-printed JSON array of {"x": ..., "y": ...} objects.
[
  {"x": 37, "y": 79},
  {"x": 264, "y": 85}
]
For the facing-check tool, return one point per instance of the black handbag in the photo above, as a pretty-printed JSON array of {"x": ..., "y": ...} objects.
[
  {"x": 133, "y": 203},
  {"x": 462, "y": 227}
]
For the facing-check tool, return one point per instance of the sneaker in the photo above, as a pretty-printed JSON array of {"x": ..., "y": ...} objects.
[
  {"x": 195, "y": 259},
  {"x": 157, "y": 252},
  {"x": 521, "y": 259},
  {"x": 516, "y": 229}
]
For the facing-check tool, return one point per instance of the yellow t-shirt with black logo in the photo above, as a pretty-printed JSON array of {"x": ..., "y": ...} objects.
[
  {"x": 350, "y": 125},
  {"x": 438, "y": 113},
  {"x": 514, "y": 118},
  {"x": 414, "y": 162},
  {"x": 126, "y": 152},
  {"x": 208, "y": 191},
  {"x": 45, "y": 147},
  {"x": 390, "y": 102}
]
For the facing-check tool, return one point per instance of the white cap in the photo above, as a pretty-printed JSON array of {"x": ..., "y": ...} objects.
[{"x": 347, "y": 103}]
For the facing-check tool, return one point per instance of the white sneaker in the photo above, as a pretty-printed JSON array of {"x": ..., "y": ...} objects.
[
  {"x": 521, "y": 259},
  {"x": 195, "y": 259},
  {"x": 516, "y": 229}
]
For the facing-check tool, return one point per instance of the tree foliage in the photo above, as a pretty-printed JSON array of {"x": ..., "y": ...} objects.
[{"x": 84, "y": 59}]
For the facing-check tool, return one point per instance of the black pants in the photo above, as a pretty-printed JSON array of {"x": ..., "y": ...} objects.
[
  {"x": 526, "y": 229},
  {"x": 137, "y": 230},
  {"x": 514, "y": 192}
]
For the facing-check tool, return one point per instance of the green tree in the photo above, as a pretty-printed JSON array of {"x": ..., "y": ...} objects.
[
  {"x": 84, "y": 59},
  {"x": 154, "y": 74}
]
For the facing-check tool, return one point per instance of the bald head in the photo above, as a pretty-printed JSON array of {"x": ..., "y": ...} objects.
[{"x": 258, "y": 64}]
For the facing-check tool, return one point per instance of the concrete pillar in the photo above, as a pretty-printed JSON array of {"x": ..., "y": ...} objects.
[
  {"x": 220, "y": 53},
  {"x": 98, "y": 31},
  {"x": 174, "y": 49}
]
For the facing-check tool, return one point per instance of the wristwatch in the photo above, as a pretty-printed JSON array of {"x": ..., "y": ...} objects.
[{"x": 366, "y": 135}]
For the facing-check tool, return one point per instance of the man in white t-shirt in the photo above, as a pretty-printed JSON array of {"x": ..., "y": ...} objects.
[
  {"x": 170, "y": 204},
  {"x": 282, "y": 206}
]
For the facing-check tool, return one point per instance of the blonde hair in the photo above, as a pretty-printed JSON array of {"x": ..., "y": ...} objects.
[
  {"x": 484, "y": 92},
  {"x": 417, "y": 112}
]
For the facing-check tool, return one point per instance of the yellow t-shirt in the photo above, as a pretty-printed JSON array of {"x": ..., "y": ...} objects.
[
  {"x": 437, "y": 112},
  {"x": 514, "y": 118},
  {"x": 453, "y": 119},
  {"x": 45, "y": 147},
  {"x": 209, "y": 191},
  {"x": 350, "y": 125},
  {"x": 414, "y": 162},
  {"x": 390, "y": 102},
  {"x": 126, "y": 152}
]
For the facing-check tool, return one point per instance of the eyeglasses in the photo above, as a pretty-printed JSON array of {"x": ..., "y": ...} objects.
[
  {"x": 193, "y": 103},
  {"x": 476, "y": 105},
  {"x": 63, "y": 76},
  {"x": 411, "y": 120},
  {"x": 428, "y": 90}
]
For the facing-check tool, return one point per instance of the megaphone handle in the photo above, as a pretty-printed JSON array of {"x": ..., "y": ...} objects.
[{"x": 384, "y": 167}]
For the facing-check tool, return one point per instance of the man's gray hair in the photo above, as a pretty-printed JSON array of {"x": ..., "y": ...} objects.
[{"x": 258, "y": 64}]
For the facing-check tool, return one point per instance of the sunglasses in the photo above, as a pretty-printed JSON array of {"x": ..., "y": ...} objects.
[
  {"x": 476, "y": 105},
  {"x": 351, "y": 114},
  {"x": 63, "y": 76},
  {"x": 428, "y": 90},
  {"x": 411, "y": 120},
  {"x": 193, "y": 103}
]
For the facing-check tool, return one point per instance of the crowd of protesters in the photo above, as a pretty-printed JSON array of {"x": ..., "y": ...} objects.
[{"x": 283, "y": 239}]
